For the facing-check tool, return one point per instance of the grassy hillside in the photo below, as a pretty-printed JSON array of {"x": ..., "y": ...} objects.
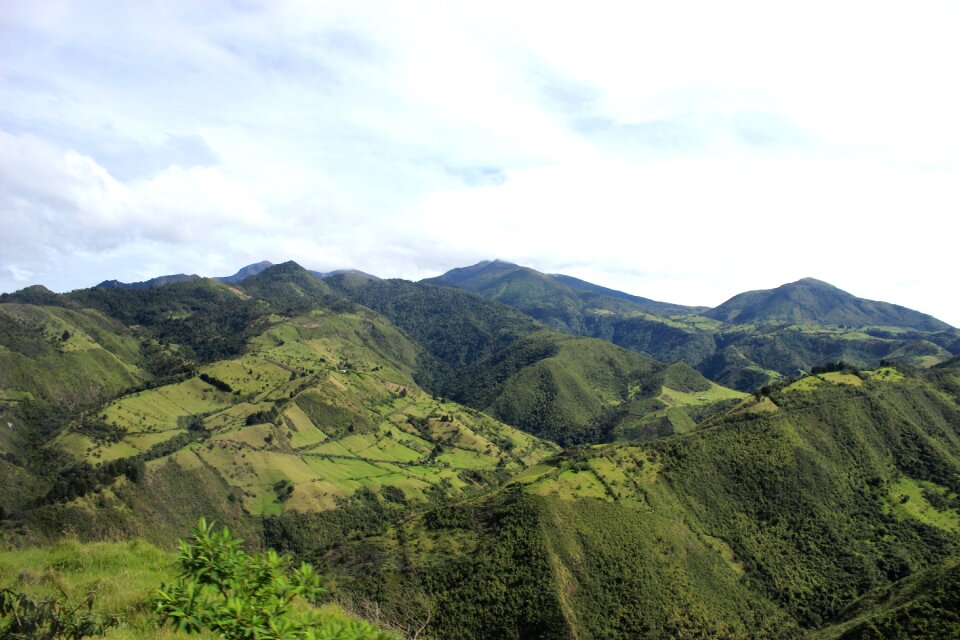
[
  {"x": 762, "y": 525},
  {"x": 489, "y": 357},
  {"x": 57, "y": 354},
  {"x": 319, "y": 407},
  {"x": 579, "y": 390},
  {"x": 292, "y": 409},
  {"x": 121, "y": 578}
]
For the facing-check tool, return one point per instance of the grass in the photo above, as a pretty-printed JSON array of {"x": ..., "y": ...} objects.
[
  {"x": 159, "y": 409},
  {"x": 814, "y": 382},
  {"x": 807, "y": 383},
  {"x": 885, "y": 374},
  {"x": 907, "y": 497},
  {"x": 368, "y": 424},
  {"x": 464, "y": 459},
  {"x": 715, "y": 393},
  {"x": 122, "y": 576},
  {"x": 840, "y": 377},
  {"x": 304, "y": 432},
  {"x": 570, "y": 485}
]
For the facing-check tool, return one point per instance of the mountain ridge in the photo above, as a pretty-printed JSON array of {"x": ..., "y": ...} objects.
[
  {"x": 504, "y": 281},
  {"x": 813, "y": 300},
  {"x": 242, "y": 274}
]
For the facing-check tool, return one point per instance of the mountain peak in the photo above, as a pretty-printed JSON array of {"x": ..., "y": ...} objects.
[
  {"x": 461, "y": 275},
  {"x": 34, "y": 294},
  {"x": 810, "y": 282},
  {"x": 246, "y": 272},
  {"x": 812, "y": 301}
]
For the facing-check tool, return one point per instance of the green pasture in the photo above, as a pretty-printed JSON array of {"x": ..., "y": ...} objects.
[
  {"x": 158, "y": 409},
  {"x": 908, "y": 499}
]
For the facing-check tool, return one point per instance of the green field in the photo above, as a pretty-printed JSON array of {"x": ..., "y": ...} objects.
[
  {"x": 910, "y": 499},
  {"x": 327, "y": 419}
]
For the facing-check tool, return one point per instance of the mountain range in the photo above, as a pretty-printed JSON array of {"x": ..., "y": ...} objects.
[
  {"x": 752, "y": 339},
  {"x": 241, "y": 275},
  {"x": 499, "y": 452}
]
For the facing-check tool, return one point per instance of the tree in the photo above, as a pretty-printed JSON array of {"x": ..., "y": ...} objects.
[{"x": 246, "y": 597}]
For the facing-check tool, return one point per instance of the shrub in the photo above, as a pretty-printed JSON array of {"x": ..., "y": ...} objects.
[
  {"x": 23, "y": 618},
  {"x": 245, "y": 597}
]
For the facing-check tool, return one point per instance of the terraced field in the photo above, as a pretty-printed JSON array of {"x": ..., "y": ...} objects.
[{"x": 310, "y": 414}]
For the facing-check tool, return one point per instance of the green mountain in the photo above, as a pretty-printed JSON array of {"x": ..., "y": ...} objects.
[
  {"x": 458, "y": 469},
  {"x": 566, "y": 389},
  {"x": 456, "y": 328},
  {"x": 315, "y": 410},
  {"x": 772, "y": 522},
  {"x": 575, "y": 390},
  {"x": 560, "y": 302},
  {"x": 749, "y": 341},
  {"x": 810, "y": 301}
]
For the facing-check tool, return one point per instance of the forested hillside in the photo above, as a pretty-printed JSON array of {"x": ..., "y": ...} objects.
[
  {"x": 769, "y": 523},
  {"x": 456, "y": 468}
]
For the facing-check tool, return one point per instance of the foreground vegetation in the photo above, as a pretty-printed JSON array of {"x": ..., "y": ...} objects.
[{"x": 118, "y": 590}]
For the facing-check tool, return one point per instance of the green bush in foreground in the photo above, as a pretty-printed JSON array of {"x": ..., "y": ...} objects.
[
  {"x": 246, "y": 597},
  {"x": 25, "y": 618}
]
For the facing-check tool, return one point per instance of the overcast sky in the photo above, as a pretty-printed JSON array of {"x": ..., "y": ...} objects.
[{"x": 679, "y": 151}]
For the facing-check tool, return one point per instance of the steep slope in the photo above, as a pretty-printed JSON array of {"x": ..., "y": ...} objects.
[
  {"x": 206, "y": 319},
  {"x": 580, "y": 390},
  {"x": 58, "y": 354},
  {"x": 291, "y": 289},
  {"x": 925, "y": 606},
  {"x": 812, "y": 301},
  {"x": 455, "y": 327},
  {"x": 489, "y": 357},
  {"x": 559, "y": 387},
  {"x": 54, "y": 362},
  {"x": 318, "y": 410},
  {"x": 768, "y": 523}
]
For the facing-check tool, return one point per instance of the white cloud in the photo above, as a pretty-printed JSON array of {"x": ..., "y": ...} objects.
[
  {"x": 683, "y": 151},
  {"x": 67, "y": 202}
]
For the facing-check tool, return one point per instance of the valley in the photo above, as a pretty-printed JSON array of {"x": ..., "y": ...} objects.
[{"x": 498, "y": 452}]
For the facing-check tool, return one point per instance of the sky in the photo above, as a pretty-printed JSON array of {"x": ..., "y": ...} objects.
[{"x": 681, "y": 151}]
